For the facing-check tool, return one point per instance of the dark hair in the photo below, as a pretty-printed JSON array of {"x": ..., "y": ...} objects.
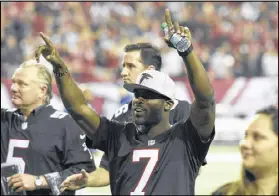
[
  {"x": 150, "y": 55},
  {"x": 271, "y": 111}
]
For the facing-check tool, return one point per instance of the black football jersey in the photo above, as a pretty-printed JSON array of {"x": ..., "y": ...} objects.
[
  {"x": 166, "y": 164},
  {"x": 124, "y": 114},
  {"x": 47, "y": 141}
]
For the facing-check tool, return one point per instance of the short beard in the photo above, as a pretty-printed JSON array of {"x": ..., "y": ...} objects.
[
  {"x": 144, "y": 129},
  {"x": 151, "y": 122}
]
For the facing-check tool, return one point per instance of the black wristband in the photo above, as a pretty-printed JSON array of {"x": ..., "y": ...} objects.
[
  {"x": 187, "y": 52},
  {"x": 60, "y": 74}
]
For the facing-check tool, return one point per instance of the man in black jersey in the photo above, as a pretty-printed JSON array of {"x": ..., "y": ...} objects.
[
  {"x": 46, "y": 144},
  {"x": 138, "y": 57},
  {"x": 148, "y": 155}
]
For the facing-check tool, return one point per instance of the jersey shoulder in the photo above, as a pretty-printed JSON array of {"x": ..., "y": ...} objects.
[
  {"x": 6, "y": 114},
  {"x": 183, "y": 104},
  {"x": 55, "y": 118},
  {"x": 60, "y": 120},
  {"x": 55, "y": 114},
  {"x": 5, "y": 111},
  {"x": 121, "y": 113},
  {"x": 180, "y": 111},
  {"x": 9, "y": 110}
]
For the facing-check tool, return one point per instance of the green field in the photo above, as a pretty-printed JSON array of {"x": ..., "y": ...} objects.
[
  {"x": 223, "y": 166},
  {"x": 218, "y": 172}
]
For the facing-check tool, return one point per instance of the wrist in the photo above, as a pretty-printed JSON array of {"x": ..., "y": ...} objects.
[
  {"x": 60, "y": 71},
  {"x": 40, "y": 182},
  {"x": 186, "y": 52},
  {"x": 45, "y": 184}
]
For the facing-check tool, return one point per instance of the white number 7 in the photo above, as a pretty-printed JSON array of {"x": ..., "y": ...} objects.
[
  {"x": 153, "y": 154},
  {"x": 17, "y": 144}
]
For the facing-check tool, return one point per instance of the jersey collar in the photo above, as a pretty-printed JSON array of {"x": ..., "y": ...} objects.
[{"x": 34, "y": 112}]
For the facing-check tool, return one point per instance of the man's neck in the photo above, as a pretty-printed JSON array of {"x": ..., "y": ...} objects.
[
  {"x": 156, "y": 129},
  {"x": 28, "y": 109}
]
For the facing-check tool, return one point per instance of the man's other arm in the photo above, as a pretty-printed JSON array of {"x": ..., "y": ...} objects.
[
  {"x": 75, "y": 157},
  {"x": 71, "y": 95},
  {"x": 100, "y": 177},
  {"x": 202, "y": 113},
  {"x": 203, "y": 107}
]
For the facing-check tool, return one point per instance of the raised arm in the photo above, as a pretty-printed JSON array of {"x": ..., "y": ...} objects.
[
  {"x": 203, "y": 108},
  {"x": 71, "y": 95}
]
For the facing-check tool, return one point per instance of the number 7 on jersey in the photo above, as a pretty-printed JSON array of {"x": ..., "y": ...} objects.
[{"x": 153, "y": 155}]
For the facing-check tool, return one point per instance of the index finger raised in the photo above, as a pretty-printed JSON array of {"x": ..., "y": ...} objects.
[
  {"x": 46, "y": 39},
  {"x": 168, "y": 18}
]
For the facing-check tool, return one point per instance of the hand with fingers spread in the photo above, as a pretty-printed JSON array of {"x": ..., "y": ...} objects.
[
  {"x": 176, "y": 36},
  {"x": 75, "y": 181},
  {"x": 50, "y": 54}
]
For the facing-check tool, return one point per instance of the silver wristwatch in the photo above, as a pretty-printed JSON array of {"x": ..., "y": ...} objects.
[
  {"x": 180, "y": 43},
  {"x": 183, "y": 45},
  {"x": 38, "y": 182}
]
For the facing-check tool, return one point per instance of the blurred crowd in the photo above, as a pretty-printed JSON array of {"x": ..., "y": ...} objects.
[{"x": 232, "y": 39}]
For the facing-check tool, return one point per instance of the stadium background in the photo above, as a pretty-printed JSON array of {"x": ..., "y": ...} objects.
[{"x": 237, "y": 43}]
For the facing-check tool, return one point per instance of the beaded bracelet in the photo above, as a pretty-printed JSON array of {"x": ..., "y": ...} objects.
[{"x": 60, "y": 74}]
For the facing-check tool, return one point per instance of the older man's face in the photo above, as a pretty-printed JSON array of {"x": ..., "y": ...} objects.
[{"x": 26, "y": 90}]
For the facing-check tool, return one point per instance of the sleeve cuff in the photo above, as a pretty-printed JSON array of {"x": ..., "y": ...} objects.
[{"x": 54, "y": 180}]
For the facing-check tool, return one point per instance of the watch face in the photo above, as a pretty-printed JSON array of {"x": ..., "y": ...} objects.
[
  {"x": 38, "y": 182},
  {"x": 175, "y": 39},
  {"x": 181, "y": 48},
  {"x": 183, "y": 45}
]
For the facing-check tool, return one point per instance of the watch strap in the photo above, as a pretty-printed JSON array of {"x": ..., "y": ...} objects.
[{"x": 186, "y": 52}]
